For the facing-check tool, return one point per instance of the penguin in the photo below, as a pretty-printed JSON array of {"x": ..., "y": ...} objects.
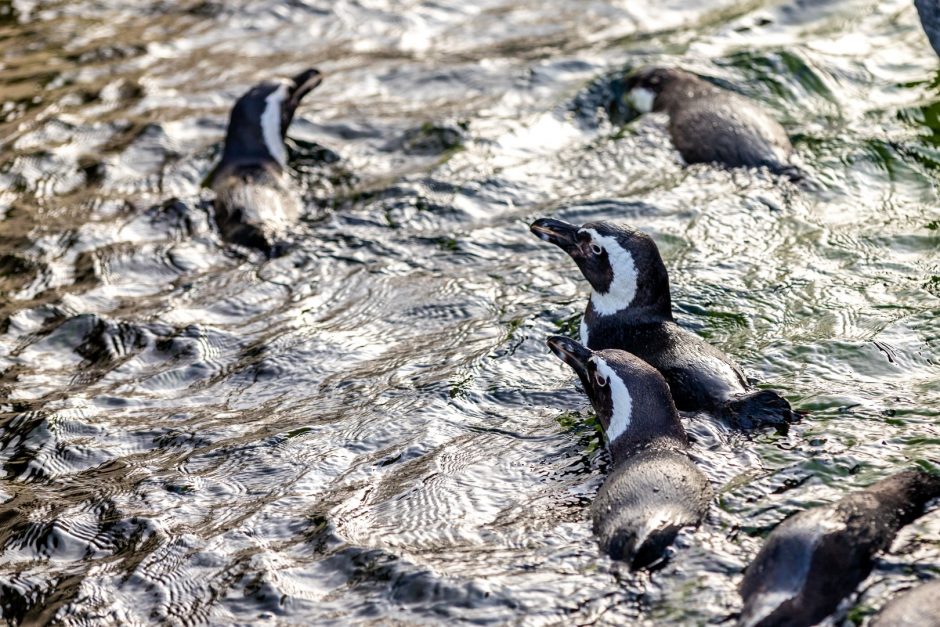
[
  {"x": 919, "y": 607},
  {"x": 255, "y": 205},
  {"x": 653, "y": 489},
  {"x": 712, "y": 125},
  {"x": 814, "y": 559},
  {"x": 929, "y": 13},
  {"x": 630, "y": 309}
]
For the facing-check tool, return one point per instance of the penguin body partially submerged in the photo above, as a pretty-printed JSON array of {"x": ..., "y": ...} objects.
[
  {"x": 631, "y": 309},
  {"x": 255, "y": 204},
  {"x": 814, "y": 559},
  {"x": 712, "y": 125},
  {"x": 653, "y": 489}
]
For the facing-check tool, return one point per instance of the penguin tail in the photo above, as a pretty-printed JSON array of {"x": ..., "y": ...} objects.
[
  {"x": 650, "y": 552},
  {"x": 760, "y": 408},
  {"x": 654, "y": 552}
]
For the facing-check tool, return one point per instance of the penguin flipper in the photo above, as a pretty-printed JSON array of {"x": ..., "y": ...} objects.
[{"x": 760, "y": 408}]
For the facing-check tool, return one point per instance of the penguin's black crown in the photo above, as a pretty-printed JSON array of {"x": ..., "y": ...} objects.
[{"x": 654, "y": 79}]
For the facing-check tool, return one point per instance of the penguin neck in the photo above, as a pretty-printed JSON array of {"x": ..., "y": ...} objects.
[
  {"x": 632, "y": 442},
  {"x": 642, "y": 420},
  {"x": 272, "y": 131},
  {"x": 639, "y": 311},
  {"x": 246, "y": 148}
]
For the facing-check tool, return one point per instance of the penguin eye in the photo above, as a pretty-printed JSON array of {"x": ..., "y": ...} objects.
[
  {"x": 599, "y": 380},
  {"x": 597, "y": 250}
]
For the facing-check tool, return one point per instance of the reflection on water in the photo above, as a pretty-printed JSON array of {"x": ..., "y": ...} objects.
[{"x": 371, "y": 426}]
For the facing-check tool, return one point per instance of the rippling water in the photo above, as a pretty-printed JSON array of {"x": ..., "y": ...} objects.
[{"x": 371, "y": 428}]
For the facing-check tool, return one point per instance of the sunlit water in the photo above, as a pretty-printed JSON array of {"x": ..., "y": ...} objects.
[{"x": 371, "y": 428}]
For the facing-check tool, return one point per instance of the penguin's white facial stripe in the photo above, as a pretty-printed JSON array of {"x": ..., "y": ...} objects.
[
  {"x": 271, "y": 124},
  {"x": 620, "y": 400},
  {"x": 622, "y": 289},
  {"x": 642, "y": 99}
]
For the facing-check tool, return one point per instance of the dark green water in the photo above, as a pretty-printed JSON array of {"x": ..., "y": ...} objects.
[{"x": 371, "y": 429}]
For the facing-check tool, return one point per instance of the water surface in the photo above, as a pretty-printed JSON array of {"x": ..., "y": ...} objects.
[{"x": 371, "y": 428}]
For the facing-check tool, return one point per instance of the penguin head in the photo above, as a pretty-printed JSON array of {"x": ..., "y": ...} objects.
[
  {"x": 259, "y": 119},
  {"x": 631, "y": 398},
  {"x": 622, "y": 265},
  {"x": 644, "y": 86}
]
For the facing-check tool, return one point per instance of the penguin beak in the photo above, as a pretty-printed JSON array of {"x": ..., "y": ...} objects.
[
  {"x": 304, "y": 83},
  {"x": 573, "y": 354},
  {"x": 559, "y": 233}
]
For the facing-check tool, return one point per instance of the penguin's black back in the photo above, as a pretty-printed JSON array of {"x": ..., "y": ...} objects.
[
  {"x": 816, "y": 558},
  {"x": 725, "y": 128},
  {"x": 244, "y": 137},
  {"x": 645, "y": 501},
  {"x": 712, "y": 125},
  {"x": 700, "y": 377}
]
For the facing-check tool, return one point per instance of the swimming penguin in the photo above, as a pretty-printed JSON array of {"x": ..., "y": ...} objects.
[
  {"x": 654, "y": 489},
  {"x": 712, "y": 125},
  {"x": 255, "y": 205},
  {"x": 919, "y": 607},
  {"x": 929, "y": 13},
  {"x": 814, "y": 559},
  {"x": 630, "y": 309}
]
